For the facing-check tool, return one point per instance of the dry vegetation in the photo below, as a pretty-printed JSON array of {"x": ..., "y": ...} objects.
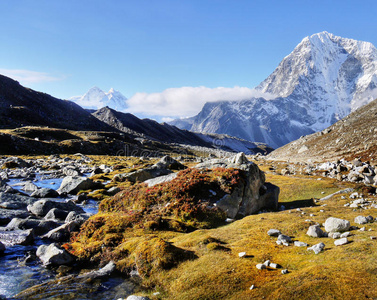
[{"x": 204, "y": 263}]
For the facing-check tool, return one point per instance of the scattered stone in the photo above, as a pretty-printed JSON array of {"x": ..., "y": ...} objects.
[
  {"x": 261, "y": 266},
  {"x": 54, "y": 255},
  {"x": 284, "y": 240},
  {"x": 56, "y": 214},
  {"x": 300, "y": 244},
  {"x": 334, "y": 235},
  {"x": 63, "y": 232},
  {"x": 285, "y": 271},
  {"x": 373, "y": 237},
  {"x": 242, "y": 254},
  {"x": 252, "y": 287},
  {"x": 336, "y": 225},
  {"x": 17, "y": 237},
  {"x": 41, "y": 207},
  {"x": 315, "y": 231},
  {"x": 317, "y": 248},
  {"x": 133, "y": 297},
  {"x": 45, "y": 193},
  {"x": 267, "y": 263},
  {"x": 274, "y": 232},
  {"x": 362, "y": 229},
  {"x": 274, "y": 266},
  {"x": 74, "y": 184},
  {"x": 101, "y": 273},
  {"x": 341, "y": 242}
]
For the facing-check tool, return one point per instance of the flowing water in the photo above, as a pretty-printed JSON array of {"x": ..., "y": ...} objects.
[{"x": 16, "y": 275}]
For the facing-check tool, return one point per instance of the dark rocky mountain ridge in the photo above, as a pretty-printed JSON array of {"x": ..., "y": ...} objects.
[{"x": 20, "y": 106}]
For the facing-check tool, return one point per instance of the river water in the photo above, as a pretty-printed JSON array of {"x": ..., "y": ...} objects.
[{"x": 15, "y": 274}]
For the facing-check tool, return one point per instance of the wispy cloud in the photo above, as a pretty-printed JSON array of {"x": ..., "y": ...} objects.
[
  {"x": 29, "y": 77},
  {"x": 186, "y": 101}
]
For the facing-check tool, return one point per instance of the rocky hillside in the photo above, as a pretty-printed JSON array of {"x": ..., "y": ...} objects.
[
  {"x": 165, "y": 133},
  {"x": 355, "y": 136},
  {"x": 20, "y": 106},
  {"x": 324, "y": 79}
]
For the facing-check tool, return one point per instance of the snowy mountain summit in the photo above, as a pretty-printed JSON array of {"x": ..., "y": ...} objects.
[
  {"x": 324, "y": 79},
  {"x": 96, "y": 98}
]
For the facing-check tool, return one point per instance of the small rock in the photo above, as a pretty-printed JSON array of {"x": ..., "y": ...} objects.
[
  {"x": 274, "y": 232},
  {"x": 284, "y": 239},
  {"x": 261, "y": 266},
  {"x": 334, "y": 235},
  {"x": 274, "y": 266},
  {"x": 133, "y": 297},
  {"x": 361, "y": 220},
  {"x": 317, "y": 248},
  {"x": 285, "y": 271},
  {"x": 341, "y": 242},
  {"x": 300, "y": 244},
  {"x": 242, "y": 254},
  {"x": 252, "y": 287},
  {"x": 362, "y": 229},
  {"x": 267, "y": 263}
]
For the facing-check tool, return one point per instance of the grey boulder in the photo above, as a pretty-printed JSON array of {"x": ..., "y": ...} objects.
[
  {"x": 54, "y": 255},
  {"x": 336, "y": 225}
]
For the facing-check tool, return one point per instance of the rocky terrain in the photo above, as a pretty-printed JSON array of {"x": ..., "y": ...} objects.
[
  {"x": 189, "y": 216},
  {"x": 20, "y": 106}
]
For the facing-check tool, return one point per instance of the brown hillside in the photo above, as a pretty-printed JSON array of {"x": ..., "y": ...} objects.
[{"x": 353, "y": 136}]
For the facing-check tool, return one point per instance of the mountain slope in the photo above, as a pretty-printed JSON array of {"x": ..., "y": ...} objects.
[
  {"x": 321, "y": 81},
  {"x": 165, "y": 133},
  {"x": 95, "y": 98},
  {"x": 20, "y": 106},
  {"x": 354, "y": 136}
]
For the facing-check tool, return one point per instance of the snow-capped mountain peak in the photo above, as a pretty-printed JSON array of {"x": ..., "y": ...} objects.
[
  {"x": 96, "y": 98},
  {"x": 321, "y": 81}
]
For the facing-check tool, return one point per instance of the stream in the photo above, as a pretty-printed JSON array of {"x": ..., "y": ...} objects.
[{"x": 17, "y": 274}]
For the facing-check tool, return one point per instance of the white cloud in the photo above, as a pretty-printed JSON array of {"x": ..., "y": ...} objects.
[
  {"x": 187, "y": 101},
  {"x": 29, "y": 77}
]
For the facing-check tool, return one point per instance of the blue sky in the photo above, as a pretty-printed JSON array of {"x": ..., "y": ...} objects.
[{"x": 66, "y": 47}]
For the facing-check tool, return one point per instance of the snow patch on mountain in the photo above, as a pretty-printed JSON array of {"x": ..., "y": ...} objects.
[
  {"x": 324, "y": 79},
  {"x": 96, "y": 98}
]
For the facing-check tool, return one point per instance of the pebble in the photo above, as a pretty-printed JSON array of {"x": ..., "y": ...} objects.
[
  {"x": 242, "y": 254},
  {"x": 252, "y": 287},
  {"x": 285, "y": 271}
]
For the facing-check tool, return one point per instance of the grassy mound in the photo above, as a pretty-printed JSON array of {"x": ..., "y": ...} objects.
[{"x": 124, "y": 229}]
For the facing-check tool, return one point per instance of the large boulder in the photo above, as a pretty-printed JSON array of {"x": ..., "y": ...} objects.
[
  {"x": 41, "y": 207},
  {"x": 170, "y": 163},
  {"x": 54, "y": 255},
  {"x": 251, "y": 195},
  {"x": 17, "y": 237},
  {"x": 63, "y": 232},
  {"x": 336, "y": 225},
  {"x": 74, "y": 184},
  {"x": 11, "y": 201},
  {"x": 39, "y": 226}
]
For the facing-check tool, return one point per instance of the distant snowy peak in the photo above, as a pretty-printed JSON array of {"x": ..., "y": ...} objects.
[
  {"x": 320, "y": 82},
  {"x": 339, "y": 71},
  {"x": 96, "y": 98}
]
